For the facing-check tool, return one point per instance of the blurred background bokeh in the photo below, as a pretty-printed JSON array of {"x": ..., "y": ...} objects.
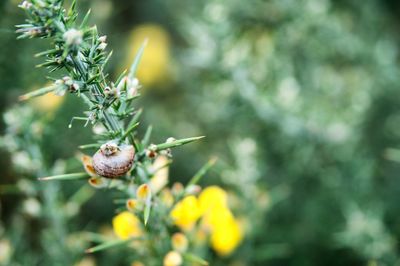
[{"x": 299, "y": 100}]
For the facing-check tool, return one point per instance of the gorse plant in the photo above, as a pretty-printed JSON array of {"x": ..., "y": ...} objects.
[
  {"x": 79, "y": 50},
  {"x": 149, "y": 213}
]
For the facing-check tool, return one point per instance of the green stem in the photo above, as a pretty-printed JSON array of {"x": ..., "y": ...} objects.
[{"x": 110, "y": 121}]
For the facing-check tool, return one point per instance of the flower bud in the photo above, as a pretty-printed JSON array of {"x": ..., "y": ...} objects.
[
  {"x": 170, "y": 140},
  {"x": 103, "y": 38},
  {"x": 151, "y": 151},
  {"x": 143, "y": 192},
  {"x": 102, "y": 46},
  {"x": 132, "y": 204},
  {"x": 173, "y": 258},
  {"x": 98, "y": 182},
  {"x": 25, "y": 5},
  {"x": 166, "y": 197},
  {"x": 32, "y": 207},
  {"x": 73, "y": 37},
  {"x": 179, "y": 242},
  {"x": 193, "y": 189},
  {"x": 177, "y": 188},
  {"x": 88, "y": 165}
]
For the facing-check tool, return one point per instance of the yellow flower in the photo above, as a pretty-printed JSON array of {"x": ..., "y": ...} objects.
[
  {"x": 126, "y": 225},
  {"x": 173, "y": 258},
  {"x": 154, "y": 63},
  {"x": 226, "y": 236},
  {"x": 212, "y": 197},
  {"x": 186, "y": 212},
  {"x": 216, "y": 217}
]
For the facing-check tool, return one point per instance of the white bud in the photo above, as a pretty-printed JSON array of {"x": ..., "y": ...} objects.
[
  {"x": 73, "y": 37},
  {"x": 102, "y": 46},
  {"x": 193, "y": 190},
  {"x": 152, "y": 147},
  {"x": 67, "y": 81},
  {"x": 170, "y": 140},
  {"x": 32, "y": 207},
  {"x": 25, "y": 5},
  {"x": 131, "y": 92},
  {"x": 103, "y": 38},
  {"x": 134, "y": 82}
]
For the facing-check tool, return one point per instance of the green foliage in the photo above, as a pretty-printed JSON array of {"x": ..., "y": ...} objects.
[{"x": 299, "y": 100}]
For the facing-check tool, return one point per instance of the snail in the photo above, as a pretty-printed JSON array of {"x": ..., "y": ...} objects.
[{"x": 112, "y": 160}]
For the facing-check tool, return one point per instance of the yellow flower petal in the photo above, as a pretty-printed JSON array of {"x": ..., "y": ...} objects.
[
  {"x": 132, "y": 204},
  {"x": 126, "y": 225},
  {"x": 212, "y": 197},
  {"x": 88, "y": 165},
  {"x": 226, "y": 237},
  {"x": 143, "y": 192},
  {"x": 216, "y": 217},
  {"x": 186, "y": 212}
]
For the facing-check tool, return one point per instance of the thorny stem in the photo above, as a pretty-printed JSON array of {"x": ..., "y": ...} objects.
[{"x": 109, "y": 120}]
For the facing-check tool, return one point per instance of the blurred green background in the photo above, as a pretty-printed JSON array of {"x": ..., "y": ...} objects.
[{"x": 299, "y": 100}]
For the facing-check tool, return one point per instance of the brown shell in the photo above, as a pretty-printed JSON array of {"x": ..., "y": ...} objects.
[{"x": 116, "y": 164}]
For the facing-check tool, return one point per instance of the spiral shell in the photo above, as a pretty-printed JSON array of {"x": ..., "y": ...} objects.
[{"x": 112, "y": 160}]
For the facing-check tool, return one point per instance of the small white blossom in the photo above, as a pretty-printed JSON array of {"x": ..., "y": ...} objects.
[
  {"x": 129, "y": 85},
  {"x": 31, "y": 207},
  {"x": 73, "y": 37},
  {"x": 102, "y": 46},
  {"x": 25, "y": 5},
  {"x": 103, "y": 39},
  {"x": 22, "y": 161},
  {"x": 67, "y": 81}
]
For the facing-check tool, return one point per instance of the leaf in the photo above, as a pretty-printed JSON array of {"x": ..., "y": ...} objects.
[
  {"x": 121, "y": 76},
  {"x": 129, "y": 130},
  {"x": 147, "y": 209},
  {"x": 136, "y": 61},
  {"x": 37, "y": 93},
  {"x": 136, "y": 117},
  {"x": 74, "y": 176},
  {"x": 72, "y": 9},
  {"x": 48, "y": 52},
  {"x": 110, "y": 244},
  {"x": 146, "y": 138},
  {"x": 90, "y": 146},
  {"x": 203, "y": 170},
  {"x": 194, "y": 258},
  {"x": 176, "y": 143},
  {"x": 85, "y": 19}
]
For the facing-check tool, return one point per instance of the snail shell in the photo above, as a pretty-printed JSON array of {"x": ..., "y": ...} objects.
[{"x": 112, "y": 160}]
